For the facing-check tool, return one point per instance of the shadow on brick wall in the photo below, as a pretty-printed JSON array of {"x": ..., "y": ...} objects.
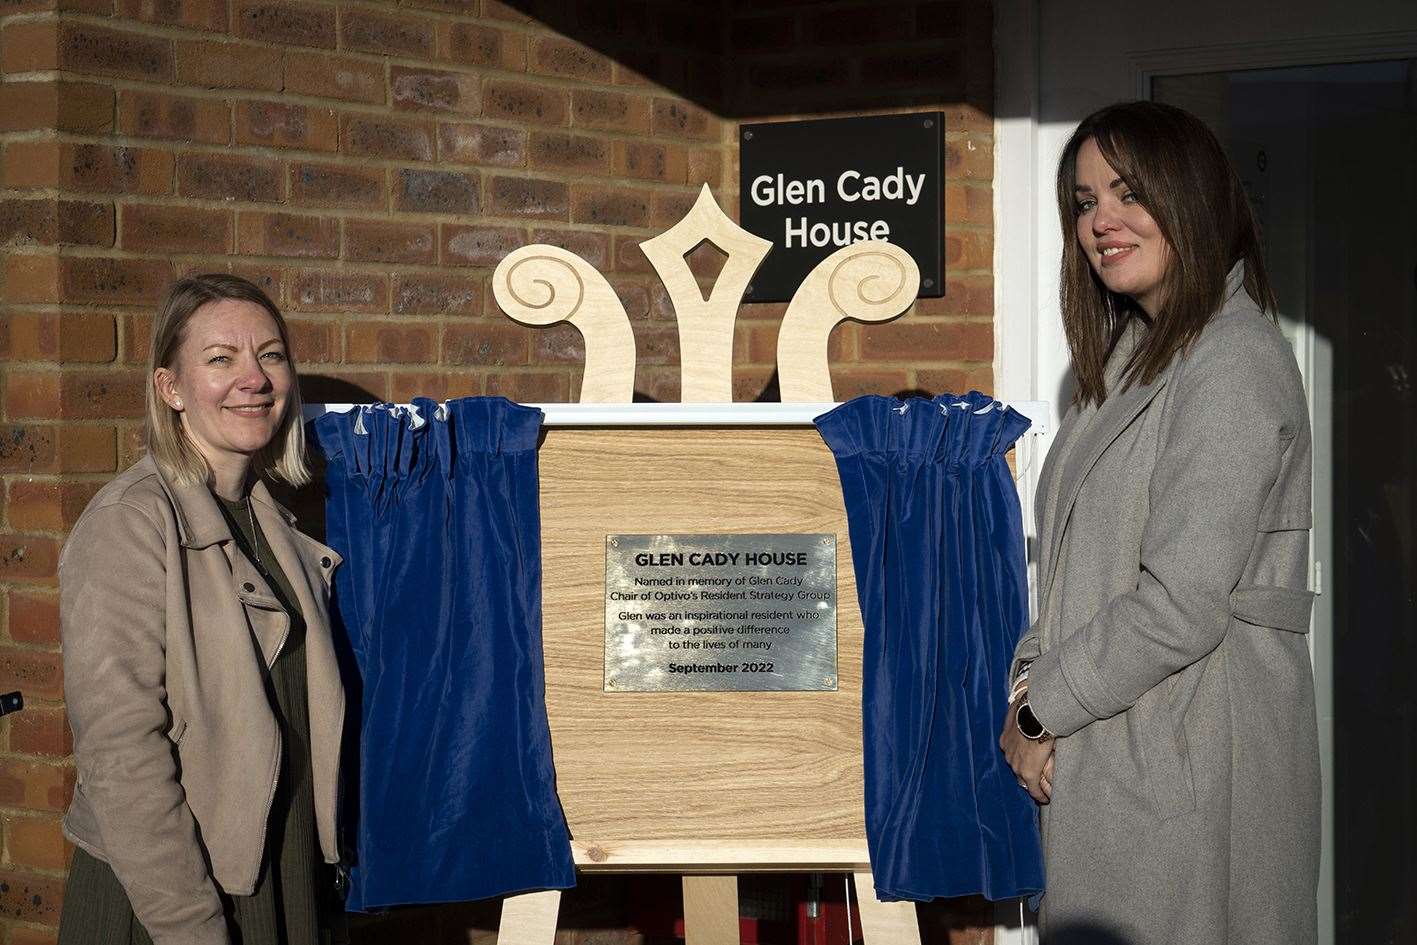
[{"x": 768, "y": 58}]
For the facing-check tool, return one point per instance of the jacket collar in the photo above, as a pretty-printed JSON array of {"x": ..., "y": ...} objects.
[
  {"x": 199, "y": 519},
  {"x": 1234, "y": 281},
  {"x": 1115, "y": 415}
]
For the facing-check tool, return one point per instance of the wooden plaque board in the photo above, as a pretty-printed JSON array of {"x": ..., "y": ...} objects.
[{"x": 694, "y": 781}]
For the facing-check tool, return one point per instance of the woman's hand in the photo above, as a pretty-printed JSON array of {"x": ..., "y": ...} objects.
[{"x": 1032, "y": 762}]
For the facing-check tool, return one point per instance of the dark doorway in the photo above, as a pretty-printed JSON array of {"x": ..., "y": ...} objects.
[{"x": 1327, "y": 155}]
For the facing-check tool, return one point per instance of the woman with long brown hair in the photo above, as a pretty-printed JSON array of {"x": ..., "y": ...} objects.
[
  {"x": 1162, "y": 705},
  {"x": 200, "y": 677}
]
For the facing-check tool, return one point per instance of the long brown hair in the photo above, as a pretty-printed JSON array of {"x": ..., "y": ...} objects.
[
  {"x": 1178, "y": 171},
  {"x": 284, "y": 455}
]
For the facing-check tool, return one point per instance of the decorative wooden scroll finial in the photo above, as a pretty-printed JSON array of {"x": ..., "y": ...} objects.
[
  {"x": 706, "y": 325},
  {"x": 543, "y": 285},
  {"x": 873, "y": 281}
]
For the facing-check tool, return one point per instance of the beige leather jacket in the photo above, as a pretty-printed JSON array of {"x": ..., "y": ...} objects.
[{"x": 168, "y": 633}]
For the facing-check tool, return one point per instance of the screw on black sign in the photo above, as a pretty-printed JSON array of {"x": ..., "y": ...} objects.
[{"x": 812, "y": 187}]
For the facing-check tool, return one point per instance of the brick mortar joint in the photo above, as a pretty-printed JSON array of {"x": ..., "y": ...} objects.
[
  {"x": 34, "y": 193},
  {"x": 31, "y": 757},
  {"x": 57, "y": 423},
  {"x": 75, "y": 308},
  {"x": 877, "y": 364},
  {"x": 33, "y": 77},
  {"x": 343, "y": 158},
  {"x": 57, "y": 478},
  {"x": 507, "y": 26},
  {"x": 337, "y": 6},
  {"x": 961, "y": 318},
  {"x": 40, "y": 135},
  {"x": 366, "y": 109},
  {"x": 31, "y": 17},
  {"x": 45, "y": 872}
]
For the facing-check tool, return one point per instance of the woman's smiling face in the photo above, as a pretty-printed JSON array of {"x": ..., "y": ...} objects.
[
  {"x": 1118, "y": 236},
  {"x": 231, "y": 381}
]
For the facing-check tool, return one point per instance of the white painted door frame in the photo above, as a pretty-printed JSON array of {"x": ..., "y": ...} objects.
[
  {"x": 1030, "y": 350},
  {"x": 1017, "y": 311}
]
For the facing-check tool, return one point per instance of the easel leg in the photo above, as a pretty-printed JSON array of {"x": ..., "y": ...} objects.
[
  {"x": 885, "y": 923},
  {"x": 529, "y": 919},
  {"x": 710, "y": 910}
]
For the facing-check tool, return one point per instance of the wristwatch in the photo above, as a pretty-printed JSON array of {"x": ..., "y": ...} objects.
[{"x": 1027, "y": 723}]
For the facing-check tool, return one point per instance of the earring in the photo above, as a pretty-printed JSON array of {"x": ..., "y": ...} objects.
[{"x": 178, "y": 404}]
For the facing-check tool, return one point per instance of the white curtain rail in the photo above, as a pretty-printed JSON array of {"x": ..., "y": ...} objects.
[{"x": 694, "y": 415}]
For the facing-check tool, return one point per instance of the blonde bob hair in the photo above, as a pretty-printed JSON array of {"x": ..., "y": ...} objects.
[{"x": 168, "y": 443}]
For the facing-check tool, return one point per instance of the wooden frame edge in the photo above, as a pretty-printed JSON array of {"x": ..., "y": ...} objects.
[{"x": 713, "y": 856}]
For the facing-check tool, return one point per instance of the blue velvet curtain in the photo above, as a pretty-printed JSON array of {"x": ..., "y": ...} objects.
[
  {"x": 937, "y": 544},
  {"x": 436, "y": 513}
]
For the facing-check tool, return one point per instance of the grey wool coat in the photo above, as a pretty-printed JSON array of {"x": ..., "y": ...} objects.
[{"x": 1170, "y": 655}]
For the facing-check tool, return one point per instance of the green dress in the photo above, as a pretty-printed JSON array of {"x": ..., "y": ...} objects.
[{"x": 287, "y": 907}]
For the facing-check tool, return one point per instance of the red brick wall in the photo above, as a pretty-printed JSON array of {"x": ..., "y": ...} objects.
[{"x": 369, "y": 163}]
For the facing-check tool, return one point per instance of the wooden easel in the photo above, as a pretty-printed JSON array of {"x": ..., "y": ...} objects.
[{"x": 707, "y": 785}]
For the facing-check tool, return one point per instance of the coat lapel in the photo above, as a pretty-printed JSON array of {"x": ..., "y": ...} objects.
[
  {"x": 308, "y": 566},
  {"x": 276, "y": 525},
  {"x": 1113, "y": 417},
  {"x": 201, "y": 524}
]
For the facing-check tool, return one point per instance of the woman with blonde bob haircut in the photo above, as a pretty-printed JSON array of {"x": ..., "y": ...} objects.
[
  {"x": 200, "y": 677},
  {"x": 284, "y": 456},
  {"x": 1162, "y": 705}
]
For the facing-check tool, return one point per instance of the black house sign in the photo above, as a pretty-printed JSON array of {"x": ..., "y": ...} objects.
[{"x": 812, "y": 187}]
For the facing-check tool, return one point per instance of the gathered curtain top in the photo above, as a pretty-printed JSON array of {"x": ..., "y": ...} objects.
[
  {"x": 383, "y": 439},
  {"x": 955, "y": 428}
]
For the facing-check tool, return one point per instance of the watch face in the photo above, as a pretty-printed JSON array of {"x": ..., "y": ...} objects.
[{"x": 1028, "y": 724}]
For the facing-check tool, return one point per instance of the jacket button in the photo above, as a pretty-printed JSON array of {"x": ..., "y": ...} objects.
[
  {"x": 248, "y": 587},
  {"x": 325, "y": 561}
]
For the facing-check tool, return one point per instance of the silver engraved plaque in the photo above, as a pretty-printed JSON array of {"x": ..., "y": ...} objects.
[{"x": 720, "y": 612}]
